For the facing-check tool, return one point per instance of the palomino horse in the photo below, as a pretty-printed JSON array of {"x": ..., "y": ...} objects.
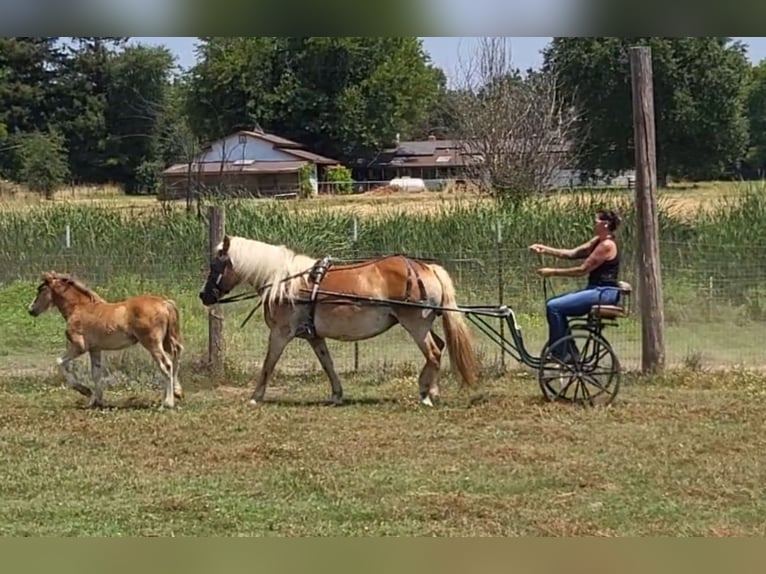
[
  {"x": 94, "y": 325},
  {"x": 304, "y": 297}
]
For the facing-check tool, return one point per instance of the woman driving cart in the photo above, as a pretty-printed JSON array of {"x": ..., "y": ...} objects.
[{"x": 601, "y": 262}]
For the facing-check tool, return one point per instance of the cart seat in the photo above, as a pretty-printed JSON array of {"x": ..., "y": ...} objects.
[
  {"x": 609, "y": 311},
  {"x": 614, "y": 311}
]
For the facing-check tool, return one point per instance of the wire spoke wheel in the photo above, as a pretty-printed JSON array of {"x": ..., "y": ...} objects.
[{"x": 580, "y": 368}]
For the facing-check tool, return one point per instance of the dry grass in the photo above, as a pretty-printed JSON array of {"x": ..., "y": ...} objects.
[
  {"x": 681, "y": 199},
  {"x": 677, "y": 458}
]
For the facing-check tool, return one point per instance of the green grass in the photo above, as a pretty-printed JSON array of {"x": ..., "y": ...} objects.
[{"x": 677, "y": 457}]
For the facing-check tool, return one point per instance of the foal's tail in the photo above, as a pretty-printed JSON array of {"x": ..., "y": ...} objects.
[
  {"x": 459, "y": 341},
  {"x": 173, "y": 340}
]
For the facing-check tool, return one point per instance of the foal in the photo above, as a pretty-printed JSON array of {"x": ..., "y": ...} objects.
[{"x": 94, "y": 325}]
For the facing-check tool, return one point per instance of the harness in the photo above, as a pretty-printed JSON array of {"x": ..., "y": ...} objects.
[
  {"x": 307, "y": 330},
  {"x": 317, "y": 272},
  {"x": 408, "y": 286}
]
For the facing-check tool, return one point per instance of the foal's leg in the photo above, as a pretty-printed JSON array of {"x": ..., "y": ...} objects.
[
  {"x": 175, "y": 357},
  {"x": 431, "y": 345},
  {"x": 319, "y": 345},
  {"x": 75, "y": 348},
  {"x": 165, "y": 364},
  {"x": 278, "y": 340},
  {"x": 96, "y": 373}
]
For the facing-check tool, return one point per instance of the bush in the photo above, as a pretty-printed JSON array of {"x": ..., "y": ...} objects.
[
  {"x": 43, "y": 162},
  {"x": 339, "y": 177}
]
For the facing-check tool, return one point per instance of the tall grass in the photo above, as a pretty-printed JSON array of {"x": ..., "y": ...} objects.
[{"x": 716, "y": 253}]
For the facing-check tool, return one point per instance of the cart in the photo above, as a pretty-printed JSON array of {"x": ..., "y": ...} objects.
[{"x": 589, "y": 376}]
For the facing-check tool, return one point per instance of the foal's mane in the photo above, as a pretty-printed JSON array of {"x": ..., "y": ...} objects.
[{"x": 80, "y": 286}]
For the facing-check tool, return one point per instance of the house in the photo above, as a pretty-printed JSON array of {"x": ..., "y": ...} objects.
[
  {"x": 430, "y": 159},
  {"x": 246, "y": 162},
  {"x": 435, "y": 160}
]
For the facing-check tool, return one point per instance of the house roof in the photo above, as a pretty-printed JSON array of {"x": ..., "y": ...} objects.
[
  {"x": 436, "y": 153},
  {"x": 282, "y": 144},
  {"x": 242, "y": 167}
]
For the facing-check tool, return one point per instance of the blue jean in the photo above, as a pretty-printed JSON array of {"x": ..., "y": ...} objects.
[{"x": 560, "y": 308}]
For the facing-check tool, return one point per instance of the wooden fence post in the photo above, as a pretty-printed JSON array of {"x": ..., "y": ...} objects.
[
  {"x": 216, "y": 231},
  {"x": 650, "y": 281}
]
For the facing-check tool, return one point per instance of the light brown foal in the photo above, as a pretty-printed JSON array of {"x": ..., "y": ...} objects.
[{"x": 94, "y": 325}]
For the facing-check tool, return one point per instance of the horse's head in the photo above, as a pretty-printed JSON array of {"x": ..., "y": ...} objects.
[
  {"x": 44, "y": 297},
  {"x": 221, "y": 278}
]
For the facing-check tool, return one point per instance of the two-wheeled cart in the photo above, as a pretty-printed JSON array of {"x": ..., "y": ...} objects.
[{"x": 588, "y": 373}]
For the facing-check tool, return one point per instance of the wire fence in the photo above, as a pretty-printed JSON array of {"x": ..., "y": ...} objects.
[{"x": 714, "y": 304}]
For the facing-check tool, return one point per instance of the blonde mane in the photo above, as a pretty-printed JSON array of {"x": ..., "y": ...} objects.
[
  {"x": 80, "y": 286},
  {"x": 268, "y": 266}
]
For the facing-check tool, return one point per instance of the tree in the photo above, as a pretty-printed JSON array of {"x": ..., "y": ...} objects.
[
  {"x": 518, "y": 130},
  {"x": 137, "y": 87},
  {"x": 42, "y": 157},
  {"x": 27, "y": 74},
  {"x": 756, "y": 115},
  {"x": 699, "y": 100},
  {"x": 340, "y": 96},
  {"x": 81, "y": 97}
]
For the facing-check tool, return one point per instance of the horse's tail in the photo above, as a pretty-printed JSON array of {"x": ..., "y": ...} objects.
[
  {"x": 173, "y": 339},
  {"x": 459, "y": 340}
]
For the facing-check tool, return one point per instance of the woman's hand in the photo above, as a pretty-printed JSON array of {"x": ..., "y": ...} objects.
[{"x": 538, "y": 248}]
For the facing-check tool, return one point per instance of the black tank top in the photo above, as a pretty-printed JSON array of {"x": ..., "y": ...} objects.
[{"x": 605, "y": 275}]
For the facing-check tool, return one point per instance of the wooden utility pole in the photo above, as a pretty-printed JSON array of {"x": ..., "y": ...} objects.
[
  {"x": 216, "y": 231},
  {"x": 650, "y": 280}
]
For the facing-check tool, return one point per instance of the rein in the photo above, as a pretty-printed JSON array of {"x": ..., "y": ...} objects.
[
  {"x": 258, "y": 293},
  {"x": 351, "y": 263},
  {"x": 546, "y": 280}
]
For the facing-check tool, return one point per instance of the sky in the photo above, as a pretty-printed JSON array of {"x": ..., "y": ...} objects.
[{"x": 445, "y": 51}]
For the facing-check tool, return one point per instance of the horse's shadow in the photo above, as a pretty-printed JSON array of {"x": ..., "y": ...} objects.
[
  {"x": 132, "y": 403},
  {"x": 347, "y": 402}
]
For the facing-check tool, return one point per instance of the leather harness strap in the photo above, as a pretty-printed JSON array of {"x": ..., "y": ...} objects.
[
  {"x": 408, "y": 287},
  {"x": 317, "y": 273}
]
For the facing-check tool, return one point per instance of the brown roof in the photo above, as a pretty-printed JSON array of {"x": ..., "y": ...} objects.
[
  {"x": 434, "y": 153},
  {"x": 246, "y": 167},
  {"x": 283, "y": 144},
  {"x": 310, "y": 156}
]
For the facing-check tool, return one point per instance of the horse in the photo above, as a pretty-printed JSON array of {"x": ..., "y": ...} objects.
[
  {"x": 315, "y": 300},
  {"x": 94, "y": 325}
]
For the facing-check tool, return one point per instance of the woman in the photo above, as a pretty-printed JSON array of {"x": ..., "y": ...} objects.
[{"x": 601, "y": 262}]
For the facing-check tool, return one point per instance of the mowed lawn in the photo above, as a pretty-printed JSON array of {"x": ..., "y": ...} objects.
[{"x": 680, "y": 456}]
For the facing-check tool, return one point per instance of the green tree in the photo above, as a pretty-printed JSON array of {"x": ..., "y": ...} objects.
[
  {"x": 42, "y": 158},
  {"x": 136, "y": 97},
  {"x": 699, "y": 87},
  {"x": 756, "y": 114},
  {"x": 81, "y": 97},
  {"x": 340, "y": 96},
  {"x": 27, "y": 72}
]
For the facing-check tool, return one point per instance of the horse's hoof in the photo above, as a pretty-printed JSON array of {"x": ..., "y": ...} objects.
[
  {"x": 427, "y": 402},
  {"x": 335, "y": 401},
  {"x": 254, "y": 402}
]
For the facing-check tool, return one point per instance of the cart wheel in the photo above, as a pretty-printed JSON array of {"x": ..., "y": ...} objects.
[{"x": 590, "y": 376}]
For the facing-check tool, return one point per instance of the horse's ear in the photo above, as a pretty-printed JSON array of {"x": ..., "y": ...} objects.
[
  {"x": 225, "y": 246},
  {"x": 48, "y": 276}
]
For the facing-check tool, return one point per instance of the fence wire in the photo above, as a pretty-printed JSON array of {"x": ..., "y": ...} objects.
[{"x": 714, "y": 306}]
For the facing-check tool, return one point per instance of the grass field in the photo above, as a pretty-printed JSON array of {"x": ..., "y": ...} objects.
[
  {"x": 680, "y": 457},
  {"x": 677, "y": 456}
]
